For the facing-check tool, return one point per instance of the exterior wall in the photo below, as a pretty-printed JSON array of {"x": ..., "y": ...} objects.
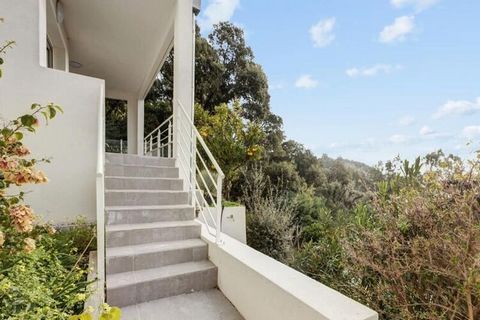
[
  {"x": 263, "y": 288},
  {"x": 70, "y": 140},
  {"x": 233, "y": 222}
]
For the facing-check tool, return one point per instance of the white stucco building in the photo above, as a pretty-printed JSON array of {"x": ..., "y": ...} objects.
[{"x": 77, "y": 53}]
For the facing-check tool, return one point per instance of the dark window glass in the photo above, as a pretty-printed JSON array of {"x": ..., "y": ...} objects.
[{"x": 49, "y": 54}]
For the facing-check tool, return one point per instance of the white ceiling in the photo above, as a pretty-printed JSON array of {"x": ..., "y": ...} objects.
[{"x": 121, "y": 41}]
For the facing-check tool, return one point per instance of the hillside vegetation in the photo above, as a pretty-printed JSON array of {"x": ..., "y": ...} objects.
[{"x": 403, "y": 238}]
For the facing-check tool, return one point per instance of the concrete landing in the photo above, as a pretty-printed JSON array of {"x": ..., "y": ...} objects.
[{"x": 202, "y": 305}]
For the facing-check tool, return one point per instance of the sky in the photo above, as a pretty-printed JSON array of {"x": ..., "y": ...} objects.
[{"x": 367, "y": 80}]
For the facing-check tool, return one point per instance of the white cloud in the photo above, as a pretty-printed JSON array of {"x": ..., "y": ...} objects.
[
  {"x": 471, "y": 132},
  {"x": 406, "y": 121},
  {"x": 371, "y": 71},
  {"x": 276, "y": 86},
  {"x": 306, "y": 82},
  {"x": 322, "y": 32},
  {"x": 398, "y": 138},
  {"x": 462, "y": 107},
  {"x": 398, "y": 31},
  {"x": 426, "y": 131},
  {"x": 217, "y": 11},
  {"x": 419, "y": 5}
]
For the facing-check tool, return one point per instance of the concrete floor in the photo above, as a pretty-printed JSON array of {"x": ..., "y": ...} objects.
[{"x": 202, "y": 305}]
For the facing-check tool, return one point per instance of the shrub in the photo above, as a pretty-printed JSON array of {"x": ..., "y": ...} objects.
[
  {"x": 48, "y": 282},
  {"x": 420, "y": 258},
  {"x": 270, "y": 226}
]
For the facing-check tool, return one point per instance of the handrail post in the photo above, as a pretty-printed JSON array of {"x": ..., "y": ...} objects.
[
  {"x": 145, "y": 147},
  {"x": 193, "y": 168},
  {"x": 169, "y": 145},
  {"x": 159, "y": 138},
  {"x": 219, "y": 208},
  {"x": 121, "y": 146},
  {"x": 151, "y": 145}
]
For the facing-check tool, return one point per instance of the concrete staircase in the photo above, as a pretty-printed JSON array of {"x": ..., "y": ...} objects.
[{"x": 153, "y": 244}]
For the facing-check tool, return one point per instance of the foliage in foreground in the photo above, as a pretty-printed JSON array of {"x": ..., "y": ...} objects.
[
  {"x": 421, "y": 257},
  {"x": 42, "y": 271}
]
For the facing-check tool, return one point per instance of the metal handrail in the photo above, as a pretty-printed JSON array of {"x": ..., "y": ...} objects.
[
  {"x": 187, "y": 138},
  {"x": 154, "y": 141},
  {"x": 202, "y": 142},
  {"x": 198, "y": 198}
]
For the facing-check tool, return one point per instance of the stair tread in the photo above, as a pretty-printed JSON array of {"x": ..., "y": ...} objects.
[
  {"x": 123, "y": 279},
  {"x": 135, "y": 156},
  {"x": 139, "y": 165},
  {"x": 154, "y": 247},
  {"x": 156, "y": 207},
  {"x": 142, "y": 178},
  {"x": 143, "y": 191},
  {"x": 151, "y": 225}
]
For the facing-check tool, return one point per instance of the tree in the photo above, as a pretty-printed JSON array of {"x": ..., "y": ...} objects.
[{"x": 233, "y": 142}]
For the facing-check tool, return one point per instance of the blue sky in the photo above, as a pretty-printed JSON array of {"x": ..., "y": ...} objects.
[{"x": 367, "y": 80}]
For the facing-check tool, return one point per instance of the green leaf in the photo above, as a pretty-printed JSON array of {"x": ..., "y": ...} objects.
[
  {"x": 18, "y": 135},
  {"x": 45, "y": 115},
  {"x": 83, "y": 316},
  {"x": 52, "y": 111},
  {"x": 34, "y": 106},
  {"x": 27, "y": 120},
  {"x": 6, "y": 132}
]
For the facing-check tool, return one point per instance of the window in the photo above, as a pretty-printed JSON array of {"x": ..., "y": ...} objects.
[{"x": 49, "y": 54}]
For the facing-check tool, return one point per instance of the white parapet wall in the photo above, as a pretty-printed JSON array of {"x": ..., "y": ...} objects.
[
  {"x": 233, "y": 222},
  {"x": 263, "y": 288}
]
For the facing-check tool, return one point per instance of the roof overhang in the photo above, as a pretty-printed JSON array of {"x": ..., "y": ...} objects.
[{"x": 124, "y": 42}]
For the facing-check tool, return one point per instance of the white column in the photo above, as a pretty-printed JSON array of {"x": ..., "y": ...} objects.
[
  {"x": 135, "y": 126},
  {"x": 183, "y": 71},
  {"x": 140, "y": 126}
]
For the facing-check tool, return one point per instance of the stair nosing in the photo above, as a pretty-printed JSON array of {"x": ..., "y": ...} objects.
[
  {"x": 143, "y": 178},
  {"x": 166, "y": 246},
  {"x": 137, "y": 156},
  {"x": 147, "y": 207},
  {"x": 139, "y": 166},
  {"x": 144, "y": 191},
  {"x": 151, "y": 225},
  {"x": 155, "y": 273}
]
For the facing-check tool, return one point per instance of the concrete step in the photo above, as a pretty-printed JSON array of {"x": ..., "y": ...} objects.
[
  {"x": 117, "y": 158},
  {"x": 112, "y": 182},
  {"x": 133, "y": 170},
  {"x": 155, "y": 255},
  {"x": 134, "y": 287},
  {"x": 147, "y": 214},
  {"x": 132, "y": 234},
  {"x": 145, "y": 197}
]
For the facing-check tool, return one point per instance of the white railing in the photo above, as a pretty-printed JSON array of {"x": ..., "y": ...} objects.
[
  {"x": 116, "y": 146},
  {"x": 159, "y": 142},
  {"x": 196, "y": 162},
  {"x": 206, "y": 176}
]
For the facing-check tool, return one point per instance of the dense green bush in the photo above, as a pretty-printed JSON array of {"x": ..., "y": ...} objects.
[
  {"x": 270, "y": 226},
  {"x": 49, "y": 282}
]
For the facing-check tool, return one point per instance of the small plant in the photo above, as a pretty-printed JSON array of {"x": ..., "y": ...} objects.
[{"x": 107, "y": 313}]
